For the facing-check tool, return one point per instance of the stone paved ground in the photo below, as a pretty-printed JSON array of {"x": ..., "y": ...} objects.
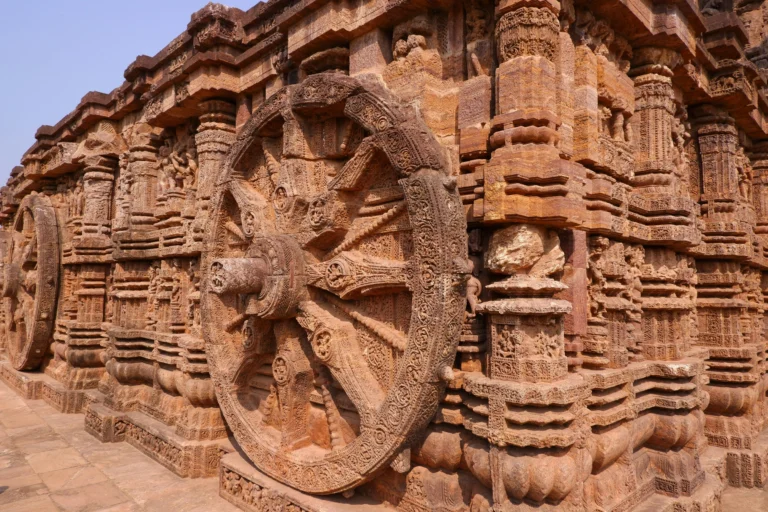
[
  {"x": 49, "y": 463},
  {"x": 745, "y": 500}
]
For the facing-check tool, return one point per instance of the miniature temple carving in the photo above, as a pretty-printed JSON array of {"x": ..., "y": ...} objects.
[{"x": 470, "y": 257}]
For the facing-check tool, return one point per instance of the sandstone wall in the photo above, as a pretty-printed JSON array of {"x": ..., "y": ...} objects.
[{"x": 455, "y": 256}]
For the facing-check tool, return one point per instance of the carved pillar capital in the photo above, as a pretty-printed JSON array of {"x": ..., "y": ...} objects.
[
  {"x": 654, "y": 60},
  {"x": 654, "y": 91},
  {"x": 524, "y": 30}
]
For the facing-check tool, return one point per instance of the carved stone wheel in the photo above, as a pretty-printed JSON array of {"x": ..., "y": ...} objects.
[
  {"x": 31, "y": 282},
  {"x": 335, "y": 289}
]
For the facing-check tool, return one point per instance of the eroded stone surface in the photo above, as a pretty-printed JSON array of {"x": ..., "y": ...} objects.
[{"x": 275, "y": 224}]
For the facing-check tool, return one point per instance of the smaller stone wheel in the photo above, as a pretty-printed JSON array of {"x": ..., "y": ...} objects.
[{"x": 31, "y": 282}]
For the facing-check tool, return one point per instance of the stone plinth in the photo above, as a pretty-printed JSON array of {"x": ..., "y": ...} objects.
[{"x": 243, "y": 485}]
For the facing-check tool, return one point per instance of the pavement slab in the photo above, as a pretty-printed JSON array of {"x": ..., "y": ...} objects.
[{"x": 48, "y": 463}]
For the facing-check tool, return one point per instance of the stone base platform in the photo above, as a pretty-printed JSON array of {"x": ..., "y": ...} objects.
[
  {"x": 243, "y": 485},
  {"x": 189, "y": 459},
  {"x": 37, "y": 386}
]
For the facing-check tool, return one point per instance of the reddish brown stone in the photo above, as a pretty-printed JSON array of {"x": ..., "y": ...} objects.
[{"x": 273, "y": 227}]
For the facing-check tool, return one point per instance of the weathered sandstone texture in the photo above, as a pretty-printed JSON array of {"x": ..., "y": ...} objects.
[{"x": 419, "y": 256}]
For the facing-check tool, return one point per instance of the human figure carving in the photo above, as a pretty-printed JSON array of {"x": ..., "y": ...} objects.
[
  {"x": 78, "y": 199},
  {"x": 153, "y": 273},
  {"x": 744, "y": 170},
  {"x": 165, "y": 181},
  {"x": 634, "y": 255},
  {"x": 596, "y": 264},
  {"x": 474, "y": 288}
]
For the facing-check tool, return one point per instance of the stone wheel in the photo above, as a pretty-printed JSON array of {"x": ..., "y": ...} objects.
[
  {"x": 336, "y": 266},
  {"x": 31, "y": 281}
]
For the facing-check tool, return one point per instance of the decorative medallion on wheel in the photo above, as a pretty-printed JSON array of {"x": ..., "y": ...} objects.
[
  {"x": 30, "y": 282},
  {"x": 335, "y": 290}
]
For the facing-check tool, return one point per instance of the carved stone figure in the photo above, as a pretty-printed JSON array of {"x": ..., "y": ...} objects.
[
  {"x": 525, "y": 249},
  {"x": 474, "y": 289},
  {"x": 744, "y": 170}
]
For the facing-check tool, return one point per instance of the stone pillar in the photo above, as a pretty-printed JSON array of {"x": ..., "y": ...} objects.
[
  {"x": 215, "y": 135},
  {"x": 653, "y": 121},
  {"x": 723, "y": 293},
  {"x": 98, "y": 182},
  {"x": 142, "y": 167},
  {"x": 660, "y": 182},
  {"x": 527, "y": 357},
  {"x": 527, "y": 45},
  {"x": 78, "y": 361},
  {"x": 524, "y": 133}
]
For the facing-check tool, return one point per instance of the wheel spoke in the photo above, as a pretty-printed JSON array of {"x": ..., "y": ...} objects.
[
  {"x": 340, "y": 432},
  {"x": 353, "y": 275},
  {"x": 356, "y": 237},
  {"x": 390, "y": 336},
  {"x": 294, "y": 377},
  {"x": 334, "y": 342}
]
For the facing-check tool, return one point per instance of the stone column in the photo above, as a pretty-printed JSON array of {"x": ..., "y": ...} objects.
[
  {"x": 653, "y": 121},
  {"x": 722, "y": 288},
  {"x": 660, "y": 185},
  {"x": 98, "y": 182},
  {"x": 527, "y": 44},
  {"x": 142, "y": 168},
  {"x": 527, "y": 357},
  {"x": 215, "y": 135},
  {"x": 524, "y": 133},
  {"x": 718, "y": 142}
]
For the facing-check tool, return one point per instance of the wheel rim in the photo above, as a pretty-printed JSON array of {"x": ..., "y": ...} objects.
[{"x": 31, "y": 281}]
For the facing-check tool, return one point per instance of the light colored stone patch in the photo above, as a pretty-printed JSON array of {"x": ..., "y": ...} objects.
[
  {"x": 72, "y": 478},
  {"x": 53, "y": 460}
]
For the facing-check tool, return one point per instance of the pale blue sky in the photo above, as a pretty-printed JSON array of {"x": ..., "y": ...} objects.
[{"x": 52, "y": 52}]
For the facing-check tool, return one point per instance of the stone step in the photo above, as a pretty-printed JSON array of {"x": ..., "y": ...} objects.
[{"x": 186, "y": 458}]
